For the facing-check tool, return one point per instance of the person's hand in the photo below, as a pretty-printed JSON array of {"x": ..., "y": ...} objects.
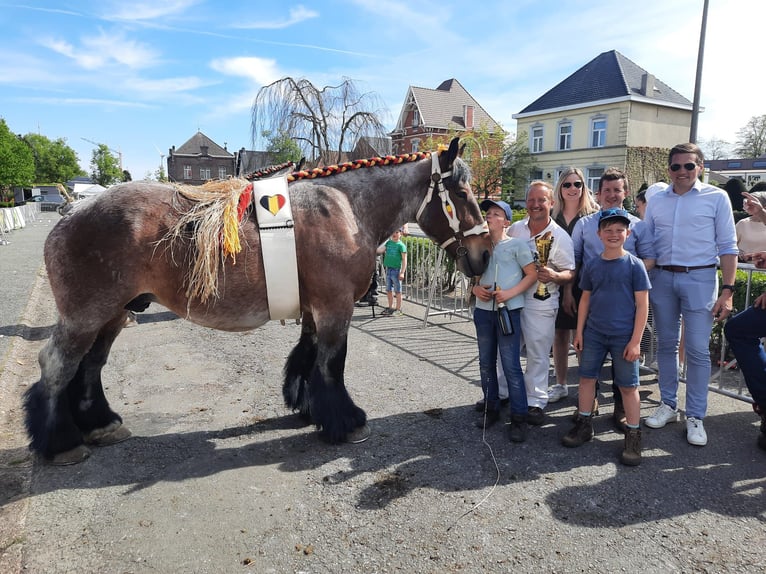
[
  {"x": 758, "y": 259},
  {"x": 483, "y": 292},
  {"x": 577, "y": 342},
  {"x": 545, "y": 274},
  {"x": 722, "y": 306},
  {"x": 401, "y": 275},
  {"x": 632, "y": 351},
  {"x": 568, "y": 303},
  {"x": 754, "y": 207}
]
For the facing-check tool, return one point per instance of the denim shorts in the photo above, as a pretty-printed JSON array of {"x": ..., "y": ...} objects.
[
  {"x": 595, "y": 347},
  {"x": 392, "y": 280}
]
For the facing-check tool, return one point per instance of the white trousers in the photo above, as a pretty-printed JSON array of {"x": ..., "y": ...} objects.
[{"x": 538, "y": 327}]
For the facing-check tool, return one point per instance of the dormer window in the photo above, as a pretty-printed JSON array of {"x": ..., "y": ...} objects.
[{"x": 415, "y": 118}]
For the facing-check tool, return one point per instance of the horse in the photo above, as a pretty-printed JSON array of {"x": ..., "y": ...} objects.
[{"x": 111, "y": 255}]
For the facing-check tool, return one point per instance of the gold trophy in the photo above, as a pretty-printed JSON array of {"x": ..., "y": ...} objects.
[{"x": 543, "y": 245}]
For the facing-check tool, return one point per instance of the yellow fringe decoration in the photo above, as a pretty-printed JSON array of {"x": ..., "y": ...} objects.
[{"x": 213, "y": 217}]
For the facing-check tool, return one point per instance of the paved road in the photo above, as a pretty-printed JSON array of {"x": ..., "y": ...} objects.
[{"x": 220, "y": 478}]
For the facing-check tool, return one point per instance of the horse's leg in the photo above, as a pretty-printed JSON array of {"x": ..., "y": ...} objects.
[
  {"x": 332, "y": 409},
  {"x": 90, "y": 410},
  {"x": 48, "y": 416},
  {"x": 298, "y": 368}
]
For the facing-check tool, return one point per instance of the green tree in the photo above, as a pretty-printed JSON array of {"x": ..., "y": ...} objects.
[
  {"x": 282, "y": 147},
  {"x": 104, "y": 167},
  {"x": 17, "y": 163},
  {"x": 518, "y": 167},
  {"x": 55, "y": 161},
  {"x": 751, "y": 139},
  {"x": 322, "y": 122}
]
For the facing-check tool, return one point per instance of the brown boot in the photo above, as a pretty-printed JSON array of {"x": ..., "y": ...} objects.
[
  {"x": 580, "y": 433},
  {"x": 631, "y": 454}
]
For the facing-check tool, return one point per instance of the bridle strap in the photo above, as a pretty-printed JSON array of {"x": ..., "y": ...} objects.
[{"x": 448, "y": 207}]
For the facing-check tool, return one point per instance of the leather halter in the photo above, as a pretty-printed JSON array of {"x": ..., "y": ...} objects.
[{"x": 448, "y": 208}]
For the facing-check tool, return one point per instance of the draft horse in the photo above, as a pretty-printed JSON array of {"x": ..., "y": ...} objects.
[{"x": 106, "y": 257}]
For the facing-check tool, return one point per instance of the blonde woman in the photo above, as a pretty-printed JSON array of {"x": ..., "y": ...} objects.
[{"x": 572, "y": 201}]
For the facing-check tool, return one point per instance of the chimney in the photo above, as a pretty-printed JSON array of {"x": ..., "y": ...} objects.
[
  {"x": 468, "y": 117},
  {"x": 647, "y": 85}
]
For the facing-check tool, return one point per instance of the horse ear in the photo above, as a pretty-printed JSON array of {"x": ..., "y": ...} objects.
[
  {"x": 462, "y": 149},
  {"x": 454, "y": 151}
]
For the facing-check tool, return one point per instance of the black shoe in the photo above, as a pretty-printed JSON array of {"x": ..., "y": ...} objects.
[
  {"x": 579, "y": 434},
  {"x": 535, "y": 416},
  {"x": 479, "y": 406},
  {"x": 517, "y": 428},
  {"x": 762, "y": 435},
  {"x": 631, "y": 453},
  {"x": 487, "y": 420}
]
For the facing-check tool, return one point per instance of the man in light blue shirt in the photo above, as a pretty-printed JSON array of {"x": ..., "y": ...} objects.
[{"x": 693, "y": 229}]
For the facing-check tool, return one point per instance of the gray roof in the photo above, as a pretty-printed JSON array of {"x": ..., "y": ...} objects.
[
  {"x": 443, "y": 107},
  {"x": 609, "y": 75},
  {"x": 194, "y": 144}
]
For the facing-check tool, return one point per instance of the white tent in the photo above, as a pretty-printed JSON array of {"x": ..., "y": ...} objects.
[{"x": 82, "y": 190}]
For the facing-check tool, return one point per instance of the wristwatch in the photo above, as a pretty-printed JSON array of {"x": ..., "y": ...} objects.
[{"x": 729, "y": 287}]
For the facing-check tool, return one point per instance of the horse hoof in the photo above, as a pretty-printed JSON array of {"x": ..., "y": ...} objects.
[
  {"x": 110, "y": 434},
  {"x": 77, "y": 454},
  {"x": 359, "y": 435}
]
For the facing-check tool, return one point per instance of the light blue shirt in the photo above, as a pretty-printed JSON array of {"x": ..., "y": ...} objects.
[
  {"x": 588, "y": 245},
  {"x": 691, "y": 229},
  {"x": 505, "y": 269}
]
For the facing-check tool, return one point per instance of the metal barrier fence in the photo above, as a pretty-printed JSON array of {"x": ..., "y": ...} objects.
[{"x": 441, "y": 289}]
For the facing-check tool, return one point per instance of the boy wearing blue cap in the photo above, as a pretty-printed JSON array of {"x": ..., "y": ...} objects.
[
  {"x": 497, "y": 318},
  {"x": 611, "y": 318}
]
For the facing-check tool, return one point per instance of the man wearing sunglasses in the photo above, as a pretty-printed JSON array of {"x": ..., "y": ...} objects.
[{"x": 693, "y": 229}]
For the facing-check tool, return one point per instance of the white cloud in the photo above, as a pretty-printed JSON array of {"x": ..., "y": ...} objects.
[
  {"x": 297, "y": 15},
  {"x": 103, "y": 49},
  {"x": 148, "y": 10},
  {"x": 262, "y": 71}
]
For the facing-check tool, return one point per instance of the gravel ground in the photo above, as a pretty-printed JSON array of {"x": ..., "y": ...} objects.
[{"x": 219, "y": 477}]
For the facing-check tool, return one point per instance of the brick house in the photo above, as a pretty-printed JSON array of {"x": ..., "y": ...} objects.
[
  {"x": 610, "y": 112},
  {"x": 429, "y": 113},
  {"x": 198, "y": 160}
]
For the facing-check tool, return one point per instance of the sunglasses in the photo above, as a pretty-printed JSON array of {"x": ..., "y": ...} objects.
[
  {"x": 687, "y": 166},
  {"x": 578, "y": 184}
]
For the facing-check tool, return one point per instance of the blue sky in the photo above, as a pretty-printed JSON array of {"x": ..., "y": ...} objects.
[{"x": 143, "y": 76}]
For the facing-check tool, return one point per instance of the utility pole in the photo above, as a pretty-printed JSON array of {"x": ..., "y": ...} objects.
[
  {"x": 698, "y": 80},
  {"x": 118, "y": 152}
]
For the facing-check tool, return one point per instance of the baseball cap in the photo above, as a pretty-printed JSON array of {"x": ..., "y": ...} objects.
[
  {"x": 613, "y": 214},
  {"x": 487, "y": 203}
]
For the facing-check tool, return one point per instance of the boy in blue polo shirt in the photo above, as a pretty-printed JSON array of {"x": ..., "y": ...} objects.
[{"x": 611, "y": 319}]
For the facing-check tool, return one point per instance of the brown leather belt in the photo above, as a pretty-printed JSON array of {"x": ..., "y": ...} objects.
[{"x": 683, "y": 269}]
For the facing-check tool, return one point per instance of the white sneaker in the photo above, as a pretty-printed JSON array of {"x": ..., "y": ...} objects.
[
  {"x": 695, "y": 432},
  {"x": 557, "y": 392},
  {"x": 663, "y": 415}
]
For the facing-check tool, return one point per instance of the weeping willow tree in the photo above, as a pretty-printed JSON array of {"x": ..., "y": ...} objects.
[{"x": 324, "y": 122}]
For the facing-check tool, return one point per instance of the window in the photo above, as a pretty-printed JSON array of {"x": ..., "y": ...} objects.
[
  {"x": 598, "y": 132},
  {"x": 204, "y": 173},
  {"x": 759, "y": 163},
  {"x": 187, "y": 172},
  {"x": 565, "y": 136},
  {"x": 537, "y": 139},
  {"x": 415, "y": 146},
  {"x": 734, "y": 164},
  {"x": 221, "y": 172},
  {"x": 415, "y": 118},
  {"x": 594, "y": 175}
]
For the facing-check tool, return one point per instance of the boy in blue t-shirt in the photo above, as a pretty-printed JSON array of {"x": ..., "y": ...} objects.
[
  {"x": 395, "y": 262},
  {"x": 611, "y": 318}
]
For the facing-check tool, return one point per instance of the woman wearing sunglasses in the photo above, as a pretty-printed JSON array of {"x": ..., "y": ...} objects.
[{"x": 572, "y": 201}]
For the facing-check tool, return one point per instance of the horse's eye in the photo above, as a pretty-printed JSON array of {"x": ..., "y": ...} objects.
[{"x": 461, "y": 194}]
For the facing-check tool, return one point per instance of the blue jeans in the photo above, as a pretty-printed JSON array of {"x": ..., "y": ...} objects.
[
  {"x": 392, "y": 280},
  {"x": 594, "y": 350},
  {"x": 491, "y": 341},
  {"x": 692, "y": 296},
  {"x": 744, "y": 332}
]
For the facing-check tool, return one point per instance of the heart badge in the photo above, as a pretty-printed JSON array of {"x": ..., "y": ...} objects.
[{"x": 273, "y": 203}]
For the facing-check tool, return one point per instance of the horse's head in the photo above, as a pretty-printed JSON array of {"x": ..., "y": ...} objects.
[{"x": 450, "y": 214}]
